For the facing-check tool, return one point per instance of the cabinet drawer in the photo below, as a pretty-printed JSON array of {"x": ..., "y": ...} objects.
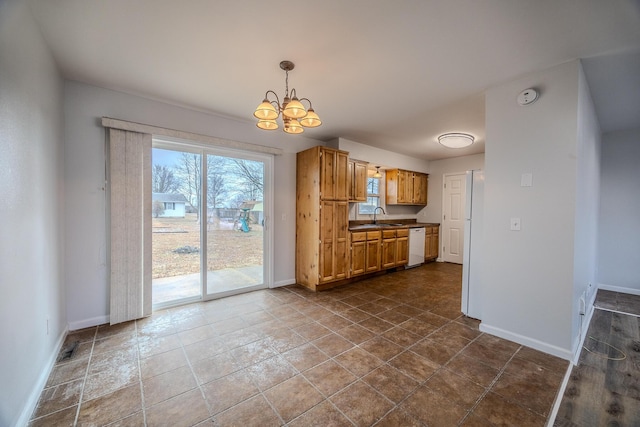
[
  {"x": 402, "y": 232},
  {"x": 373, "y": 235},
  {"x": 388, "y": 234},
  {"x": 359, "y": 236}
]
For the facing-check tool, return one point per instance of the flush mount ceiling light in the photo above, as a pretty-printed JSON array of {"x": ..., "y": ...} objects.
[
  {"x": 377, "y": 173},
  {"x": 455, "y": 140},
  {"x": 294, "y": 115}
]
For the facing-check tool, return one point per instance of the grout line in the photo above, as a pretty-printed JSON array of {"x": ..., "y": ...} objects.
[
  {"x": 143, "y": 409},
  {"x": 86, "y": 374},
  {"x": 490, "y": 386}
]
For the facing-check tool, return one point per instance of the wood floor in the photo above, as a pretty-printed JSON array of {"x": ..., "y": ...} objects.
[{"x": 604, "y": 388}]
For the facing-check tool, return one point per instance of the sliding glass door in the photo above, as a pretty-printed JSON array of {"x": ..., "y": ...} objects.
[
  {"x": 210, "y": 216},
  {"x": 235, "y": 224}
]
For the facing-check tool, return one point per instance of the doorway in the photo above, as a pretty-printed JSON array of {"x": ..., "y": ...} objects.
[
  {"x": 453, "y": 195},
  {"x": 210, "y": 208}
]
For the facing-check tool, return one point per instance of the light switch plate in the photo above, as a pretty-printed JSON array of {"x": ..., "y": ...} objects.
[
  {"x": 515, "y": 224},
  {"x": 526, "y": 180}
]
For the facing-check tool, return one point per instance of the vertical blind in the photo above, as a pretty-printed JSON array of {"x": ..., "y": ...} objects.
[{"x": 130, "y": 224}]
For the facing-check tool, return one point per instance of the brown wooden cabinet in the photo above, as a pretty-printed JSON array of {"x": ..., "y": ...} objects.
[
  {"x": 322, "y": 216},
  {"x": 333, "y": 174},
  {"x": 420, "y": 188},
  {"x": 358, "y": 253},
  {"x": 333, "y": 241},
  {"x": 402, "y": 246},
  {"x": 365, "y": 252},
  {"x": 373, "y": 251},
  {"x": 431, "y": 242},
  {"x": 377, "y": 250},
  {"x": 357, "y": 181},
  {"x": 389, "y": 243},
  {"x": 406, "y": 188}
]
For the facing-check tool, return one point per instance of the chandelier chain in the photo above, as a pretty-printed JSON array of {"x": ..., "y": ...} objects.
[{"x": 286, "y": 82}]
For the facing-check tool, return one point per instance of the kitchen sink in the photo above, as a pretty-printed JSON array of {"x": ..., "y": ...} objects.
[{"x": 389, "y": 225}]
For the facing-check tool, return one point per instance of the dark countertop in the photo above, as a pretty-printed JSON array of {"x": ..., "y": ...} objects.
[{"x": 390, "y": 225}]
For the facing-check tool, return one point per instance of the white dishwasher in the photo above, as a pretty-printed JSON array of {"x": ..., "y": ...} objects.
[{"x": 416, "y": 247}]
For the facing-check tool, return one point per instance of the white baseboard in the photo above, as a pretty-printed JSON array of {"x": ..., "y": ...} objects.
[
  {"x": 87, "y": 323},
  {"x": 558, "y": 401},
  {"x": 583, "y": 334},
  {"x": 527, "y": 341},
  {"x": 632, "y": 291},
  {"x": 32, "y": 401},
  {"x": 284, "y": 283}
]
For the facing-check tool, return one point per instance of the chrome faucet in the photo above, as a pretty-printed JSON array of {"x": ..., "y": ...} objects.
[{"x": 374, "y": 213}]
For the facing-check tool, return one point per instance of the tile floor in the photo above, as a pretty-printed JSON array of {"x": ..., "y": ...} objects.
[{"x": 393, "y": 350}]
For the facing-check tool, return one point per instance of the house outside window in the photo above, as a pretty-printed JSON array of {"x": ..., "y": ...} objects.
[
  {"x": 169, "y": 206},
  {"x": 373, "y": 197}
]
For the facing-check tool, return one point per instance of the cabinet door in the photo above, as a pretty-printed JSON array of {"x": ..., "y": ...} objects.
[
  {"x": 388, "y": 256},
  {"x": 408, "y": 187},
  {"x": 327, "y": 174},
  {"x": 420, "y": 186},
  {"x": 402, "y": 250},
  {"x": 435, "y": 242},
  {"x": 358, "y": 257},
  {"x": 403, "y": 195},
  {"x": 373, "y": 255},
  {"x": 327, "y": 258},
  {"x": 392, "y": 186},
  {"x": 341, "y": 237},
  {"x": 351, "y": 178},
  {"x": 428, "y": 235},
  {"x": 341, "y": 176},
  {"x": 360, "y": 182}
]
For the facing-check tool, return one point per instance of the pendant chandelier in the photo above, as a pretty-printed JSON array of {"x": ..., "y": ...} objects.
[{"x": 294, "y": 115}]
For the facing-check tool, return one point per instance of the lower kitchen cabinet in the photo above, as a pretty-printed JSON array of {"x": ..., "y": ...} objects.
[
  {"x": 431, "y": 242},
  {"x": 358, "y": 253},
  {"x": 388, "y": 248},
  {"x": 373, "y": 251},
  {"x": 395, "y": 248},
  {"x": 333, "y": 241},
  {"x": 365, "y": 252},
  {"x": 402, "y": 246}
]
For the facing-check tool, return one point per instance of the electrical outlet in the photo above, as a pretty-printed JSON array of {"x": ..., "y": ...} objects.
[{"x": 515, "y": 224}]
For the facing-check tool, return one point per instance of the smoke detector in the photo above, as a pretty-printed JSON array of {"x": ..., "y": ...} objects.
[{"x": 527, "y": 96}]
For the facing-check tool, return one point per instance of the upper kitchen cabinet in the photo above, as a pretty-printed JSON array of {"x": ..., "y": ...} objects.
[
  {"x": 406, "y": 187},
  {"x": 334, "y": 180},
  {"x": 357, "y": 180}
]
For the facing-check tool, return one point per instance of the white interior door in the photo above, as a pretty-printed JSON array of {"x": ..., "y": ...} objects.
[{"x": 453, "y": 217}]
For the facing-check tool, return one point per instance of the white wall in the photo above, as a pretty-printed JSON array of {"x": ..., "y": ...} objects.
[
  {"x": 585, "y": 259},
  {"x": 387, "y": 160},
  {"x": 31, "y": 246},
  {"x": 433, "y": 211},
  {"x": 379, "y": 157},
  {"x": 619, "y": 212},
  {"x": 86, "y": 236},
  {"x": 529, "y": 274}
]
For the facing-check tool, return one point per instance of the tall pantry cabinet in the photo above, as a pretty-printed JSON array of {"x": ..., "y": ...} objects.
[{"x": 322, "y": 216}]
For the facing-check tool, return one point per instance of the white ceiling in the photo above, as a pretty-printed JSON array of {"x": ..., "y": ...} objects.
[{"x": 392, "y": 74}]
